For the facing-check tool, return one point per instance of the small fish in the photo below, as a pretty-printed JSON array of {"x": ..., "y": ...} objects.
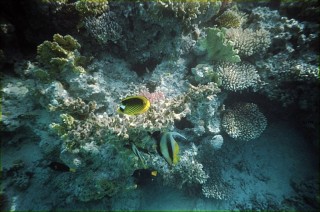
[
  {"x": 138, "y": 154},
  {"x": 60, "y": 167},
  {"x": 169, "y": 148},
  {"x": 134, "y": 105},
  {"x": 144, "y": 176}
]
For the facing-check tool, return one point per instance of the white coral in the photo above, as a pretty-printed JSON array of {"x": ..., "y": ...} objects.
[
  {"x": 244, "y": 121},
  {"x": 249, "y": 42},
  {"x": 238, "y": 76}
]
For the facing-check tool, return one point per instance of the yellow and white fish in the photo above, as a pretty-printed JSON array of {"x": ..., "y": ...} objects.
[
  {"x": 169, "y": 148},
  {"x": 134, "y": 105}
]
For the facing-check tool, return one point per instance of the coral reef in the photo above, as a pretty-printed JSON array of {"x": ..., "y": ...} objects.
[
  {"x": 91, "y": 7},
  {"x": 231, "y": 18},
  {"x": 187, "y": 172},
  {"x": 213, "y": 188},
  {"x": 104, "y": 28},
  {"x": 59, "y": 56},
  {"x": 204, "y": 73},
  {"x": 20, "y": 178},
  {"x": 214, "y": 143},
  {"x": 16, "y": 103},
  {"x": 249, "y": 42},
  {"x": 238, "y": 76},
  {"x": 187, "y": 57},
  {"x": 206, "y": 99},
  {"x": 244, "y": 121},
  {"x": 281, "y": 74},
  {"x": 187, "y": 12}
]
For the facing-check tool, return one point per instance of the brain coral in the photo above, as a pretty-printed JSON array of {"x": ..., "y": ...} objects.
[
  {"x": 238, "y": 76},
  {"x": 244, "y": 121}
]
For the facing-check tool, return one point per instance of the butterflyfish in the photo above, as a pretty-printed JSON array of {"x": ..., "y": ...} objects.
[
  {"x": 60, "y": 167},
  {"x": 169, "y": 148},
  {"x": 144, "y": 176},
  {"x": 134, "y": 105}
]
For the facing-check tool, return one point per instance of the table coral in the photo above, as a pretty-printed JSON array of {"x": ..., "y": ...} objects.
[{"x": 244, "y": 121}]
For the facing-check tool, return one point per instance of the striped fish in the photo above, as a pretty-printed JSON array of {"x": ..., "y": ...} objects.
[{"x": 134, "y": 105}]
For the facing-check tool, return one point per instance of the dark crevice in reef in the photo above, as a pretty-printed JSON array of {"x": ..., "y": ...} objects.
[
  {"x": 183, "y": 123},
  {"x": 304, "y": 120},
  {"x": 141, "y": 68}
]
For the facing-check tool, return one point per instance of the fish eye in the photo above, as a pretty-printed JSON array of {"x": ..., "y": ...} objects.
[{"x": 122, "y": 107}]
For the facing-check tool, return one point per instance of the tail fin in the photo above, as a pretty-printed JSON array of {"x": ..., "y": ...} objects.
[{"x": 154, "y": 173}]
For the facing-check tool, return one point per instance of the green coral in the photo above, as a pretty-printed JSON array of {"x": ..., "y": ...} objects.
[
  {"x": 61, "y": 54},
  {"x": 91, "y": 7},
  {"x": 67, "y": 124},
  {"x": 217, "y": 47}
]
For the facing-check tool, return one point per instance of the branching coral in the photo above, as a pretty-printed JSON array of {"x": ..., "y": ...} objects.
[
  {"x": 249, "y": 42},
  {"x": 104, "y": 28},
  {"x": 87, "y": 127},
  {"x": 187, "y": 11},
  {"x": 244, "y": 121},
  {"x": 188, "y": 172},
  {"x": 238, "y": 76},
  {"x": 231, "y": 18},
  {"x": 218, "y": 48},
  {"x": 216, "y": 189},
  {"x": 57, "y": 56},
  {"x": 75, "y": 107}
]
